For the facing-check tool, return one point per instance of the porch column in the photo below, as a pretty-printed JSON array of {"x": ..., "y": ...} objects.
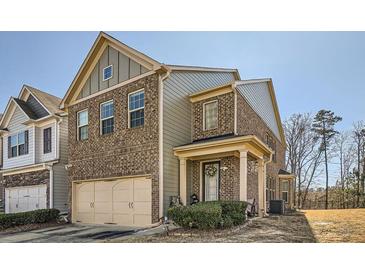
[
  {"x": 243, "y": 175},
  {"x": 262, "y": 187},
  {"x": 183, "y": 180}
]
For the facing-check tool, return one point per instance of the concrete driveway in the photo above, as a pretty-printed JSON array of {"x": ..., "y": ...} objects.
[{"x": 70, "y": 233}]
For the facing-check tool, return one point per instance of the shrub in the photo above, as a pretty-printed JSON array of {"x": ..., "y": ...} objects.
[
  {"x": 30, "y": 217},
  {"x": 201, "y": 216},
  {"x": 206, "y": 215}
]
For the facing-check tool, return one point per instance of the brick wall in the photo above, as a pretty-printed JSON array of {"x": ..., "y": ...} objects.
[
  {"x": 248, "y": 122},
  {"x": 225, "y": 117},
  {"x": 126, "y": 151}
]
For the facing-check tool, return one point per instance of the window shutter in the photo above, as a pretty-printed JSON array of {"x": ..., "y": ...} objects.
[
  {"x": 26, "y": 145},
  {"x": 9, "y": 147},
  {"x": 50, "y": 139}
]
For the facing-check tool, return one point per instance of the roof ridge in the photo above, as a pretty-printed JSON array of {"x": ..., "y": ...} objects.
[{"x": 41, "y": 91}]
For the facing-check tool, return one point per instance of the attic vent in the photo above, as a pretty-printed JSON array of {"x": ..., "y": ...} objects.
[{"x": 107, "y": 72}]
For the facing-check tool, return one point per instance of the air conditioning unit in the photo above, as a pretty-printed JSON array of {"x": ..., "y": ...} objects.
[{"x": 277, "y": 206}]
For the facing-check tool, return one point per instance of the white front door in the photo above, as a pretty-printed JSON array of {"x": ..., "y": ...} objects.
[
  {"x": 27, "y": 198},
  {"x": 211, "y": 181}
]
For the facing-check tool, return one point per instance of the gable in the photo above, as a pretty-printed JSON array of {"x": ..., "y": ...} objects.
[
  {"x": 16, "y": 120},
  {"x": 123, "y": 68},
  {"x": 107, "y": 50},
  {"x": 257, "y": 95}
]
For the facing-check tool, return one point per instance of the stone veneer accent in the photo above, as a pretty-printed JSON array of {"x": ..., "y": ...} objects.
[
  {"x": 28, "y": 179},
  {"x": 126, "y": 151},
  {"x": 225, "y": 117}
]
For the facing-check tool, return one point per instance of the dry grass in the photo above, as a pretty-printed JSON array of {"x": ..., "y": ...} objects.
[
  {"x": 291, "y": 228},
  {"x": 337, "y": 225}
]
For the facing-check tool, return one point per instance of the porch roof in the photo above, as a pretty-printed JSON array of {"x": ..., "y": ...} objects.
[{"x": 232, "y": 145}]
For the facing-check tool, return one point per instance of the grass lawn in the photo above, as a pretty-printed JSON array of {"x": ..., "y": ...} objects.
[{"x": 337, "y": 225}]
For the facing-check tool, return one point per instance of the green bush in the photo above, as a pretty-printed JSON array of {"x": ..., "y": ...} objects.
[
  {"x": 30, "y": 217},
  {"x": 207, "y": 215},
  {"x": 201, "y": 216}
]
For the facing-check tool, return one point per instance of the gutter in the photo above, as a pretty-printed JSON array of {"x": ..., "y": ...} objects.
[{"x": 161, "y": 79}]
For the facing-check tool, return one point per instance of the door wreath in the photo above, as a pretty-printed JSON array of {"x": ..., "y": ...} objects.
[{"x": 210, "y": 170}]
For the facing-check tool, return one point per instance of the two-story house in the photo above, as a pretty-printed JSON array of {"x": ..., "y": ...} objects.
[
  {"x": 34, "y": 152},
  {"x": 141, "y": 132}
]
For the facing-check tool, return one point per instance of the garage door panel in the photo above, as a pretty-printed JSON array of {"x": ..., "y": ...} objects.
[
  {"x": 112, "y": 202},
  {"x": 123, "y": 219},
  {"x": 27, "y": 198}
]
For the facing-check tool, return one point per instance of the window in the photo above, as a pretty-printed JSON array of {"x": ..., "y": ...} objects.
[
  {"x": 107, "y": 73},
  {"x": 14, "y": 145},
  {"x": 107, "y": 117},
  {"x": 136, "y": 109},
  {"x": 210, "y": 113},
  {"x": 83, "y": 125},
  {"x": 18, "y": 144},
  {"x": 285, "y": 191},
  {"x": 47, "y": 140},
  {"x": 270, "y": 188}
]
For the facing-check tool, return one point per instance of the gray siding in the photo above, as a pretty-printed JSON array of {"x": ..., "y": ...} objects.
[
  {"x": 64, "y": 140},
  {"x": 36, "y": 107},
  {"x": 124, "y": 68},
  {"x": 16, "y": 126},
  {"x": 40, "y": 156},
  {"x": 258, "y": 97},
  {"x": 60, "y": 190},
  {"x": 177, "y": 124}
]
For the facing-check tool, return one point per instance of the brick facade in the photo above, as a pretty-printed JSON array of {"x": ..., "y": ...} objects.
[
  {"x": 28, "y": 179},
  {"x": 225, "y": 117},
  {"x": 126, "y": 151}
]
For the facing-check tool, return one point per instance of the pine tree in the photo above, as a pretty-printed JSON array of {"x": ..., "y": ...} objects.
[{"x": 323, "y": 126}]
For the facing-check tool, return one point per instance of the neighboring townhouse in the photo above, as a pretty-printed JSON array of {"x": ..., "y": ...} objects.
[
  {"x": 35, "y": 147},
  {"x": 1, "y": 177},
  {"x": 141, "y": 133}
]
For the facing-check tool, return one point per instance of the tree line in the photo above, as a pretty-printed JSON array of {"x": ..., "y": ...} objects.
[{"x": 313, "y": 143}]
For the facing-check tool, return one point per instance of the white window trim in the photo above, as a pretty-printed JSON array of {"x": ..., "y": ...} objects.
[
  {"x": 43, "y": 129},
  {"x": 78, "y": 125},
  {"x": 17, "y": 143},
  {"x": 204, "y": 125},
  {"x": 111, "y": 76},
  {"x": 130, "y": 111},
  {"x": 103, "y": 119}
]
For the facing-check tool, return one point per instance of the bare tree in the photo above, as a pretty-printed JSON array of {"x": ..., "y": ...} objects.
[
  {"x": 303, "y": 153},
  {"x": 358, "y": 135}
]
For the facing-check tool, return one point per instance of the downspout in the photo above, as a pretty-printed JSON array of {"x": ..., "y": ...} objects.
[
  {"x": 160, "y": 93},
  {"x": 265, "y": 163}
]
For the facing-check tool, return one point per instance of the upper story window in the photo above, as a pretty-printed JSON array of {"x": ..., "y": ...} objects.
[
  {"x": 136, "y": 109},
  {"x": 83, "y": 125},
  {"x": 210, "y": 115},
  {"x": 47, "y": 140},
  {"x": 285, "y": 191},
  {"x": 107, "y": 73},
  {"x": 270, "y": 188},
  {"x": 107, "y": 117},
  {"x": 18, "y": 144}
]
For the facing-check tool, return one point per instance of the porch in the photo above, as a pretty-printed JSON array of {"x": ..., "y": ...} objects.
[{"x": 230, "y": 168}]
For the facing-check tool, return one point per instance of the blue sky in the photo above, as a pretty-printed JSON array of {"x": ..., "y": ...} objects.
[{"x": 310, "y": 70}]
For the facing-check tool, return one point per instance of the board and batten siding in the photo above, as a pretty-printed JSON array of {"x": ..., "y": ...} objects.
[
  {"x": 15, "y": 126},
  {"x": 63, "y": 150},
  {"x": 123, "y": 68},
  {"x": 177, "y": 121},
  {"x": 258, "y": 97}
]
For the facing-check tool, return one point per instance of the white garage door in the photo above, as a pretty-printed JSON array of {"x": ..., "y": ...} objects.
[
  {"x": 123, "y": 202},
  {"x": 21, "y": 199}
]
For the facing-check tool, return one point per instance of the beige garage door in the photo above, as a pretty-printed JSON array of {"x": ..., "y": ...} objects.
[{"x": 124, "y": 202}]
